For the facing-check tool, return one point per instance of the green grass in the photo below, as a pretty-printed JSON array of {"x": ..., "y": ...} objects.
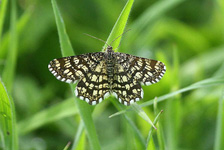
[{"x": 39, "y": 112}]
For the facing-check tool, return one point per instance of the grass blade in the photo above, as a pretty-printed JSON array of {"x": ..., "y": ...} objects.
[
  {"x": 85, "y": 109},
  {"x": 8, "y": 134},
  {"x": 3, "y": 7},
  {"x": 78, "y": 138},
  {"x": 201, "y": 84},
  {"x": 54, "y": 113},
  {"x": 67, "y": 146},
  {"x": 160, "y": 135},
  {"x": 148, "y": 18},
  {"x": 9, "y": 70},
  {"x": 142, "y": 114},
  {"x": 219, "y": 137},
  {"x": 119, "y": 26},
  {"x": 20, "y": 27},
  {"x": 138, "y": 135},
  {"x": 151, "y": 129}
]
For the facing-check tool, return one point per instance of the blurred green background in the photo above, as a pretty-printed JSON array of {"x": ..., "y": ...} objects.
[{"x": 187, "y": 35}]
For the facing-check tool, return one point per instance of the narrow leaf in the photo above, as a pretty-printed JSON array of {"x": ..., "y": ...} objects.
[
  {"x": 3, "y": 7},
  {"x": 52, "y": 114},
  {"x": 8, "y": 134},
  {"x": 9, "y": 70},
  {"x": 201, "y": 84},
  {"x": 219, "y": 136},
  {"x": 151, "y": 129},
  {"x": 85, "y": 109},
  {"x": 142, "y": 114},
  {"x": 119, "y": 26}
]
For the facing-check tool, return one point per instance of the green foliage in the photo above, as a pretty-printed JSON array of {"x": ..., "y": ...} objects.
[
  {"x": 186, "y": 35},
  {"x": 8, "y": 134}
]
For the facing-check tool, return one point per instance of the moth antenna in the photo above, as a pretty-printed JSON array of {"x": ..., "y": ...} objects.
[
  {"x": 120, "y": 36},
  {"x": 97, "y": 38}
]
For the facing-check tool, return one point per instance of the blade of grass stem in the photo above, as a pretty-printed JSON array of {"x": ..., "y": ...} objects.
[
  {"x": 8, "y": 133},
  {"x": 54, "y": 113},
  {"x": 139, "y": 136},
  {"x": 3, "y": 7},
  {"x": 78, "y": 137},
  {"x": 20, "y": 27},
  {"x": 67, "y": 146},
  {"x": 142, "y": 114},
  {"x": 173, "y": 107},
  {"x": 9, "y": 69},
  {"x": 150, "y": 15},
  {"x": 119, "y": 26},
  {"x": 151, "y": 129},
  {"x": 219, "y": 135},
  {"x": 201, "y": 84},
  {"x": 160, "y": 137},
  {"x": 85, "y": 110}
]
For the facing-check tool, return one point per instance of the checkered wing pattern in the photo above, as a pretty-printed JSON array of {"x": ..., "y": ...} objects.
[
  {"x": 130, "y": 71},
  {"x": 89, "y": 70},
  {"x": 102, "y": 73}
]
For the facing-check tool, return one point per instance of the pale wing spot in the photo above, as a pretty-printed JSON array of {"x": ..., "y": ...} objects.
[
  {"x": 138, "y": 74},
  {"x": 134, "y": 91},
  {"x": 57, "y": 65},
  {"x": 98, "y": 68},
  {"x": 76, "y": 92},
  {"x": 156, "y": 67},
  {"x": 91, "y": 86},
  {"x": 95, "y": 92},
  {"x": 94, "y": 78},
  {"x": 84, "y": 79},
  {"x": 79, "y": 73},
  {"x": 142, "y": 93},
  {"x": 76, "y": 61},
  {"x": 100, "y": 100},
  {"x": 100, "y": 92},
  {"x": 87, "y": 100},
  {"x": 69, "y": 74},
  {"x": 150, "y": 74},
  {"x": 84, "y": 90},
  {"x": 125, "y": 78},
  {"x": 68, "y": 81},
  {"x": 107, "y": 95},
  {"x": 100, "y": 78},
  {"x": 148, "y": 83},
  {"x": 66, "y": 71},
  {"x": 93, "y": 102},
  {"x": 105, "y": 85},
  {"x": 125, "y": 103},
  {"x": 127, "y": 86},
  {"x": 104, "y": 77},
  {"x": 124, "y": 93},
  {"x": 114, "y": 94},
  {"x": 132, "y": 101}
]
